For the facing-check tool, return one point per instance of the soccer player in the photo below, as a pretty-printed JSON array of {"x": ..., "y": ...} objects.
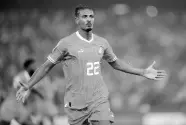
[{"x": 86, "y": 95}]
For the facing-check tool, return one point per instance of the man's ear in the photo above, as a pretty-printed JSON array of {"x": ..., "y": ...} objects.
[{"x": 76, "y": 20}]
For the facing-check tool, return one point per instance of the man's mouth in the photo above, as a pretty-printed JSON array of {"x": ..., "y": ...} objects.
[{"x": 89, "y": 24}]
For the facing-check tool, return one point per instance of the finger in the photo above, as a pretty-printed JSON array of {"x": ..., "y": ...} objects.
[
  {"x": 159, "y": 78},
  {"x": 17, "y": 94},
  {"x": 152, "y": 64},
  {"x": 23, "y": 99},
  {"x": 161, "y": 71},
  {"x": 19, "y": 98},
  {"x": 161, "y": 74}
]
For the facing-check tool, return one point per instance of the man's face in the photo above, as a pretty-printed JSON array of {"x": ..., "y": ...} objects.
[{"x": 85, "y": 19}]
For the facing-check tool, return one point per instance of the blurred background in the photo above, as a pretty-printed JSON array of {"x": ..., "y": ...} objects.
[{"x": 140, "y": 31}]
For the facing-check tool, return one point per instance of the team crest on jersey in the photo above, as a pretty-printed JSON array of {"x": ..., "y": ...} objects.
[{"x": 100, "y": 51}]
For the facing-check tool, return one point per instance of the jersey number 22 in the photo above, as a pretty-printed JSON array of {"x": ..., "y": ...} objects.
[{"x": 93, "y": 68}]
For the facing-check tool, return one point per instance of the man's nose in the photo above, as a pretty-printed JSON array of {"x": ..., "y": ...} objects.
[{"x": 89, "y": 19}]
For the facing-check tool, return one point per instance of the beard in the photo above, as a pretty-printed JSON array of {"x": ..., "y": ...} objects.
[{"x": 87, "y": 29}]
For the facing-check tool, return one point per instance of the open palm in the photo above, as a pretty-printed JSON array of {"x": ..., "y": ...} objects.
[
  {"x": 154, "y": 74},
  {"x": 22, "y": 94}
]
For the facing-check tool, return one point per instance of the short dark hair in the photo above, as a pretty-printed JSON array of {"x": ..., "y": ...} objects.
[
  {"x": 28, "y": 62},
  {"x": 81, "y": 7}
]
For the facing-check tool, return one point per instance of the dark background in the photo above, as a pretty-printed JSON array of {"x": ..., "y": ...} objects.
[{"x": 64, "y": 4}]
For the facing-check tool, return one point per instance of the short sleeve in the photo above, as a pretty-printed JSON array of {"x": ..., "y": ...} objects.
[
  {"x": 58, "y": 53},
  {"x": 109, "y": 55}
]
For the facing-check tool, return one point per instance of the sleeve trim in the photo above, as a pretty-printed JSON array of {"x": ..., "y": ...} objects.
[
  {"x": 114, "y": 59},
  {"x": 51, "y": 60}
]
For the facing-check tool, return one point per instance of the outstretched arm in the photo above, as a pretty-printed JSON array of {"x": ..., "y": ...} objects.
[
  {"x": 40, "y": 73},
  {"x": 55, "y": 57},
  {"x": 117, "y": 64},
  {"x": 149, "y": 73},
  {"x": 124, "y": 67},
  {"x": 25, "y": 89}
]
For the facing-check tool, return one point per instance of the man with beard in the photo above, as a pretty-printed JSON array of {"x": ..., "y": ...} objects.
[{"x": 86, "y": 95}]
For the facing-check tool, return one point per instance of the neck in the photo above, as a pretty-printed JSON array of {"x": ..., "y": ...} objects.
[{"x": 85, "y": 34}]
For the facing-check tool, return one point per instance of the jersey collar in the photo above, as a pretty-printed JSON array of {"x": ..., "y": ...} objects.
[{"x": 89, "y": 41}]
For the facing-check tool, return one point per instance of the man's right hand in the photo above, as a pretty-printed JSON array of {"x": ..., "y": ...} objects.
[{"x": 23, "y": 93}]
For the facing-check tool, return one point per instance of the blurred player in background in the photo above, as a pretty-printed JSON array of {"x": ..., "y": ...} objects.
[
  {"x": 11, "y": 111},
  {"x": 37, "y": 105},
  {"x": 23, "y": 77},
  {"x": 86, "y": 96},
  {"x": 40, "y": 104}
]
